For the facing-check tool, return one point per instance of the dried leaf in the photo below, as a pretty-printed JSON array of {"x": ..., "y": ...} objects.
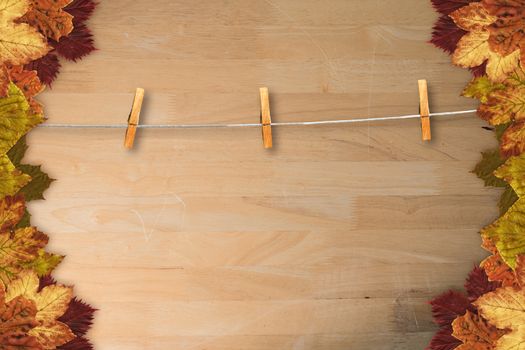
[
  {"x": 513, "y": 172},
  {"x": 11, "y": 179},
  {"x": 504, "y": 308},
  {"x": 78, "y": 317},
  {"x": 472, "y": 49},
  {"x": 507, "y": 233},
  {"x": 475, "y": 333},
  {"x": 504, "y": 106},
  {"x": 490, "y": 161},
  {"x": 51, "y": 302},
  {"x": 44, "y": 263},
  {"x": 498, "y": 271},
  {"x": 449, "y": 305},
  {"x": 513, "y": 140},
  {"x": 446, "y": 34},
  {"x": 81, "y": 10},
  {"x": 506, "y": 34},
  {"x": 478, "y": 283},
  {"x": 443, "y": 340},
  {"x": 472, "y": 17},
  {"x": 507, "y": 200},
  {"x": 16, "y": 118},
  {"x": 17, "y": 319},
  {"x": 19, "y": 42},
  {"x": 448, "y": 6},
  {"x": 480, "y": 88},
  {"x": 77, "y": 44},
  {"x": 49, "y": 18},
  {"x": 499, "y": 67},
  {"x": 11, "y": 212},
  {"x": 46, "y": 67}
]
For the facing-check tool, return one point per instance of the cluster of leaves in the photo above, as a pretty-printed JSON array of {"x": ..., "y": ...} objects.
[
  {"x": 35, "y": 311},
  {"x": 486, "y": 36}
]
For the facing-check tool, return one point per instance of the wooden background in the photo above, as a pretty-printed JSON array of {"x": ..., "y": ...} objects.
[{"x": 201, "y": 239}]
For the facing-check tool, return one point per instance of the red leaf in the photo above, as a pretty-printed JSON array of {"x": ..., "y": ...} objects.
[
  {"x": 443, "y": 340},
  {"x": 446, "y": 34},
  {"x": 77, "y": 44},
  {"x": 78, "y": 316},
  {"x": 478, "y": 284},
  {"x": 449, "y": 305},
  {"x": 479, "y": 70},
  {"x": 448, "y": 6},
  {"x": 81, "y": 10},
  {"x": 47, "y": 68},
  {"x": 79, "y": 343},
  {"x": 46, "y": 281}
]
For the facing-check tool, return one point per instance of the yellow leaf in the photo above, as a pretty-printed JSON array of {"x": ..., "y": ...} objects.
[
  {"x": 515, "y": 340},
  {"x": 11, "y": 179},
  {"x": 472, "y": 17},
  {"x": 52, "y": 335},
  {"x": 52, "y": 302},
  {"x": 513, "y": 172},
  {"x": 472, "y": 49},
  {"x": 499, "y": 67},
  {"x": 16, "y": 118},
  {"x": 503, "y": 308},
  {"x": 19, "y": 42},
  {"x": 504, "y": 105},
  {"x": 26, "y": 285},
  {"x": 508, "y": 233},
  {"x": 11, "y": 212}
]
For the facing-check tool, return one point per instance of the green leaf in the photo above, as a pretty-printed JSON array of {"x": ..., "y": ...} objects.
[
  {"x": 16, "y": 118},
  {"x": 480, "y": 88},
  {"x": 40, "y": 181},
  {"x": 507, "y": 200},
  {"x": 44, "y": 263},
  {"x": 490, "y": 161},
  {"x": 500, "y": 130},
  {"x": 508, "y": 233},
  {"x": 513, "y": 172},
  {"x": 11, "y": 179}
]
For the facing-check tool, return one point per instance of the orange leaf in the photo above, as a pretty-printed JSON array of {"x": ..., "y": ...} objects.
[
  {"x": 475, "y": 333},
  {"x": 513, "y": 140},
  {"x": 49, "y": 18}
]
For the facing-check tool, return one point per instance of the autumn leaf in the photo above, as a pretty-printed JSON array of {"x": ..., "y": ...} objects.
[
  {"x": 472, "y": 49},
  {"x": 513, "y": 140},
  {"x": 49, "y": 18},
  {"x": 443, "y": 340},
  {"x": 81, "y": 10},
  {"x": 77, "y": 44},
  {"x": 16, "y": 118},
  {"x": 472, "y": 17},
  {"x": 478, "y": 283},
  {"x": 506, "y": 34},
  {"x": 448, "y": 6},
  {"x": 508, "y": 233},
  {"x": 449, "y": 305},
  {"x": 498, "y": 271},
  {"x": 11, "y": 179},
  {"x": 446, "y": 34},
  {"x": 11, "y": 212},
  {"x": 513, "y": 172},
  {"x": 480, "y": 88},
  {"x": 46, "y": 67},
  {"x": 44, "y": 263},
  {"x": 40, "y": 181},
  {"x": 507, "y": 200},
  {"x": 490, "y": 161},
  {"x": 51, "y": 303},
  {"x": 504, "y": 106},
  {"x": 17, "y": 319},
  {"x": 19, "y": 42},
  {"x": 474, "y": 332}
]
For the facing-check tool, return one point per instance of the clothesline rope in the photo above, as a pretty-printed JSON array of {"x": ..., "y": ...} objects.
[{"x": 250, "y": 125}]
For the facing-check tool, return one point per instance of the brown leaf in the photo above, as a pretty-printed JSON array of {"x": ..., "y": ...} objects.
[{"x": 49, "y": 18}]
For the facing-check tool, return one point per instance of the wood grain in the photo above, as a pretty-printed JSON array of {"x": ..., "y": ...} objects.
[{"x": 202, "y": 239}]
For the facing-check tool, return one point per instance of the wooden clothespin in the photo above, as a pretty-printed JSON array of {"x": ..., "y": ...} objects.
[
  {"x": 424, "y": 110},
  {"x": 134, "y": 118},
  {"x": 266, "y": 119}
]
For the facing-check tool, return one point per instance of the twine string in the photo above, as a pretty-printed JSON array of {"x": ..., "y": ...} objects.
[{"x": 250, "y": 125}]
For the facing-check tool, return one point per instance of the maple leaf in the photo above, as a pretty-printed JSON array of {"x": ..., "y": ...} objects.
[
  {"x": 505, "y": 309},
  {"x": 513, "y": 172},
  {"x": 472, "y": 17},
  {"x": 504, "y": 106},
  {"x": 44, "y": 263},
  {"x": 77, "y": 44},
  {"x": 46, "y": 67},
  {"x": 474, "y": 332},
  {"x": 11, "y": 179},
  {"x": 507, "y": 199},
  {"x": 490, "y": 161},
  {"x": 17, "y": 319},
  {"x": 51, "y": 303},
  {"x": 16, "y": 118},
  {"x": 20, "y": 43},
  {"x": 49, "y": 18},
  {"x": 480, "y": 88},
  {"x": 81, "y": 10}
]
